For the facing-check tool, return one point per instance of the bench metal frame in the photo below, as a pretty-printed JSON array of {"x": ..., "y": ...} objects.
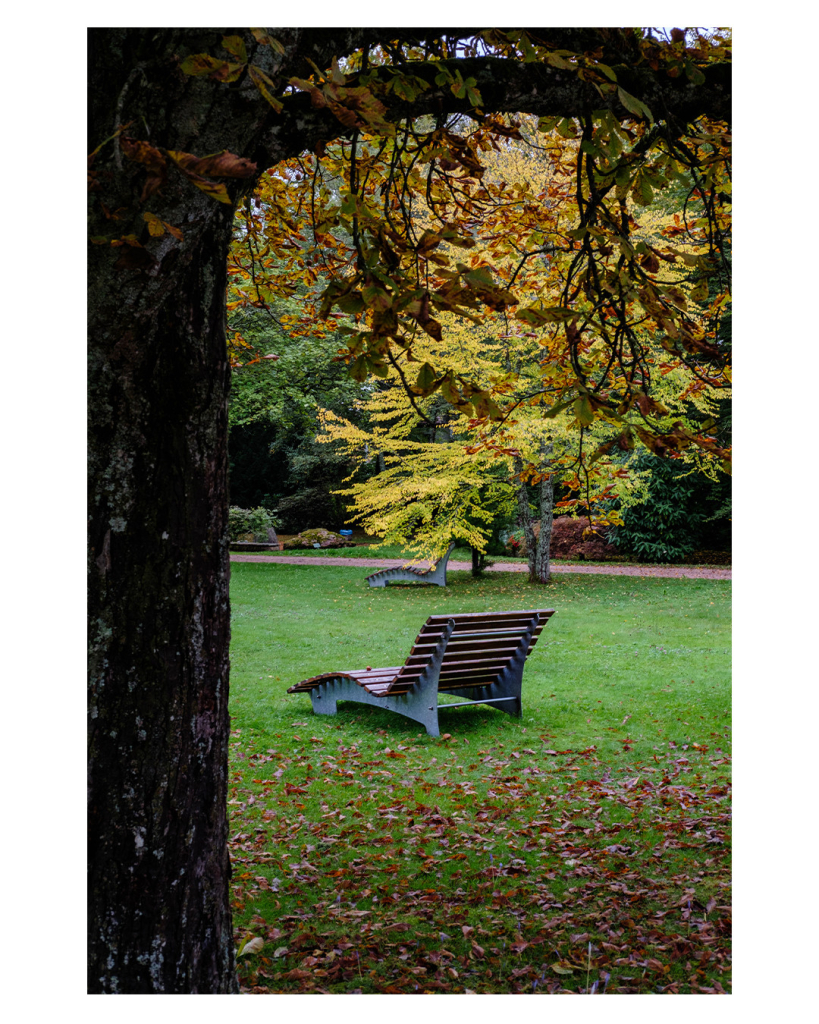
[{"x": 436, "y": 574}]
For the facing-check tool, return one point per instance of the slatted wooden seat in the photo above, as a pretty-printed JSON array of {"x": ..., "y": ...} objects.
[
  {"x": 410, "y": 573},
  {"x": 479, "y": 656}
]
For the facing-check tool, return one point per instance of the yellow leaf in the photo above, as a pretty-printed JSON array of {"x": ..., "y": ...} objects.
[{"x": 562, "y": 968}]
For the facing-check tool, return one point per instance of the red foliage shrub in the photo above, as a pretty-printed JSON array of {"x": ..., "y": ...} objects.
[{"x": 568, "y": 541}]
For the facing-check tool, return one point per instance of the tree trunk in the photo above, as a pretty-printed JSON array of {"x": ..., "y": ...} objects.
[
  {"x": 159, "y": 911},
  {"x": 158, "y": 868},
  {"x": 537, "y": 547},
  {"x": 159, "y": 621},
  {"x": 540, "y": 571}
]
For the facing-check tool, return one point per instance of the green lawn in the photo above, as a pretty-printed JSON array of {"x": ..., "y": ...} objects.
[{"x": 583, "y": 847}]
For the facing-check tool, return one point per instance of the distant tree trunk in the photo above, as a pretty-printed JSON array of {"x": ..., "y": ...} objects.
[
  {"x": 537, "y": 546},
  {"x": 478, "y": 562},
  {"x": 540, "y": 571}
]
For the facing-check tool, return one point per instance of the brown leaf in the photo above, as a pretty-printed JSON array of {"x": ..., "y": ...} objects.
[
  {"x": 432, "y": 328},
  {"x": 143, "y": 153},
  {"x": 134, "y": 259},
  {"x": 219, "y": 165}
]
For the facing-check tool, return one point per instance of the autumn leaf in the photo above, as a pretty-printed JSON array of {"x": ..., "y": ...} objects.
[
  {"x": 157, "y": 227},
  {"x": 562, "y": 968},
  {"x": 253, "y": 945},
  {"x": 432, "y": 328},
  {"x": 236, "y": 46},
  {"x": 224, "y": 164},
  {"x": 220, "y": 70},
  {"x": 220, "y": 165},
  {"x": 143, "y": 153},
  {"x": 265, "y": 85}
]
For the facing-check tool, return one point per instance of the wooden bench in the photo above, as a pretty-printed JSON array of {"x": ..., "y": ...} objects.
[
  {"x": 479, "y": 656},
  {"x": 435, "y": 574}
]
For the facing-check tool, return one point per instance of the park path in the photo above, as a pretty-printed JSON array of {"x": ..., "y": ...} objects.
[{"x": 691, "y": 572}]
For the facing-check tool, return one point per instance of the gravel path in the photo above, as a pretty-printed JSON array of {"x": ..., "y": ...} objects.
[{"x": 691, "y": 572}]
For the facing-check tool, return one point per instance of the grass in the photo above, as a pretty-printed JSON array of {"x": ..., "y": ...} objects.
[{"x": 584, "y": 847}]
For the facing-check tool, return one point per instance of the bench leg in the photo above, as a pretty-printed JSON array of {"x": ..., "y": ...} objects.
[
  {"x": 323, "y": 703},
  {"x": 420, "y": 706},
  {"x": 420, "y": 703}
]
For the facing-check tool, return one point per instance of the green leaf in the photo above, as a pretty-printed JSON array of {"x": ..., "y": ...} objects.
[
  {"x": 547, "y": 124},
  {"x": 567, "y": 128},
  {"x": 556, "y": 409},
  {"x": 606, "y": 71},
  {"x": 480, "y": 277},
  {"x": 376, "y": 298},
  {"x": 351, "y": 303},
  {"x": 201, "y": 64},
  {"x": 641, "y": 190},
  {"x": 403, "y": 89},
  {"x": 236, "y": 46},
  {"x": 583, "y": 411},
  {"x": 426, "y": 382},
  {"x": 633, "y": 105},
  {"x": 693, "y": 73},
  {"x": 359, "y": 368}
]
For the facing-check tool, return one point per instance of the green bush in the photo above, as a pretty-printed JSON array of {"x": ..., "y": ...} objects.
[
  {"x": 667, "y": 526},
  {"x": 250, "y": 523}
]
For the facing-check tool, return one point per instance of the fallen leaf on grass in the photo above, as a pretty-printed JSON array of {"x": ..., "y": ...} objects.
[{"x": 251, "y": 946}]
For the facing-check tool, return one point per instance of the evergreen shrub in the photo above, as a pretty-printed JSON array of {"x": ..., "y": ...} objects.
[
  {"x": 668, "y": 525},
  {"x": 250, "y": 523}
]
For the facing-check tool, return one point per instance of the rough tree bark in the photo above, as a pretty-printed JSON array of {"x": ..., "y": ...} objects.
[
  {"x": 159, "y": 912},
  {"x": 537, "y": 545}
]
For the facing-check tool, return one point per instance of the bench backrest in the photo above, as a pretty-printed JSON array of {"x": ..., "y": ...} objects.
[{"x": 481, "y": 646}]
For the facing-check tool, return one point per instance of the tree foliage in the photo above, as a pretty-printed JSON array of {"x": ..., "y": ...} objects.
[{"x": 403, "y": 220}]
